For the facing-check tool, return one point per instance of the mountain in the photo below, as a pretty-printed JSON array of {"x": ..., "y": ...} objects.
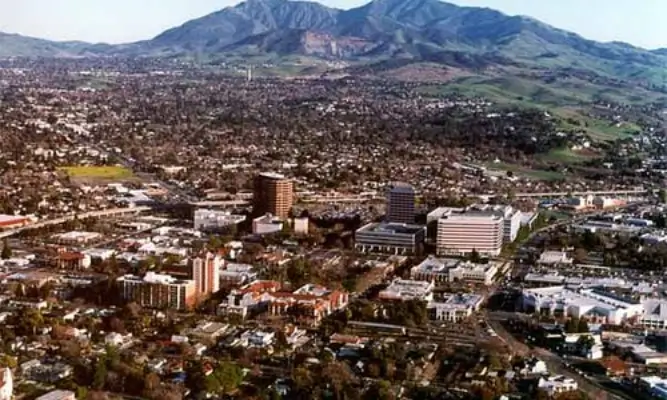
[
  {"x": 417, "y": 30},
  {"x": 12, "y": 45},
  {"x": 421, "y": 30}
]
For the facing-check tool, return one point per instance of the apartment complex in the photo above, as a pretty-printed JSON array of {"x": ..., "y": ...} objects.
[
  {"x": 158, "y": 291},
  {"x": 462, "y": 234},
  {"x": 310, "y": 302},
  {"x": 273, "y": 194},
  {"x": 391, "y": 238},
  {"x": 401, "y": 204},
  {"x": 206, "y": 274}
]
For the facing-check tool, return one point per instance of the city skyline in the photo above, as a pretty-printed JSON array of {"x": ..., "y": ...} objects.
[{"x": 124, "y": 21}]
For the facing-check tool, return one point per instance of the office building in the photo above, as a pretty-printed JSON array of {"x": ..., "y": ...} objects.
[
  {"x": 455, "y": 308},
  {"x": 404, "y": 289},
  {"x": 158, "y": 291},
  {"x": 451, "y": 270},
  {"x": 206, "y": 274},
  {"x": 401, "y": 204},
  {"x": 273, "y": 194},
  {"x": 390, "y": 238},
  {"x": 266, "y": 225},
  {"x": 511, "y": 218},
  {"x": 595, "y": 305},
  {"x": 463, "y": 234}
]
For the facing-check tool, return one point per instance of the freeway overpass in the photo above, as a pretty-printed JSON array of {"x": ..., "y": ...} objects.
[
  {"x": 627, "y": 192},
  {"x": 355, "y": 199},
  {"x": 63, "y": 219}
]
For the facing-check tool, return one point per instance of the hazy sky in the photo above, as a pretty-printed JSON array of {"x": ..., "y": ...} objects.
[{"x": 640, "y": 22}]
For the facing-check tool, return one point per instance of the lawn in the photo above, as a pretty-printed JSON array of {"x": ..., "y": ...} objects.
[{"x": 98, "y": 172}]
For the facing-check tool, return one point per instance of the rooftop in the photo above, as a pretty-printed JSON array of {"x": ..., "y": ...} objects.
[
  {"x": 272, "y": 175},
  {"x": 391, "y": 228}
]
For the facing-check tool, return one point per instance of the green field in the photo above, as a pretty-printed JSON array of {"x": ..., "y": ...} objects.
[
  {"x": 98, "y": 172},
  {"x": 537, "y": 174}
]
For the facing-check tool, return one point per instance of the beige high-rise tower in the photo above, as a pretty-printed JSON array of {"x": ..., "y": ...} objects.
[{"x": 274, "y": 194}]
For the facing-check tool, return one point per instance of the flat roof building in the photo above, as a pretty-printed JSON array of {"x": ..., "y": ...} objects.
[
  {"x": 390, "y": 238},
  {"x": 404, "y": 289},
  {"x": 401, "y": 203},
  {"x": 463, "y": 234},
  {"x": 212, "y": 220},
  {"x": 593, "y": 304},
  {"x": 456, "y": 308},
  {"x": 158, "y": 291},
  {"x": 273, "y": 194},
  {"x": 452, "y": 269}
]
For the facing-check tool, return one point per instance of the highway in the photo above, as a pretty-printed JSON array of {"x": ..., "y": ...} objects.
[{"x": 71, "y": 217}]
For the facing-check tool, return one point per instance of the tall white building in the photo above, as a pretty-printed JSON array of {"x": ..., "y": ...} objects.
[
  {"x": 511, "y": 218},
  {"x": 463, "y": 234},
  {"x": 401, "y": 204}
]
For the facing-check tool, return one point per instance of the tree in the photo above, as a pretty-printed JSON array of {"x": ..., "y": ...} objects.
[
  {"x": 7, "y": 361},
  {"x": 474, "y": 256},
  {"x": 582, "y": 326},
  {"x": 230, "y": 376},
  {"x": 580, "y": 255},
  {"x": 380, "y": 390},
  {"x": 100, "y": 375},
  {"x": 6, "y": 251}
]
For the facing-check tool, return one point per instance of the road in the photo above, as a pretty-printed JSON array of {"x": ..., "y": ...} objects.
[
  {"x": 554, "y": 363},
  {"x": 70, "y": 217}
]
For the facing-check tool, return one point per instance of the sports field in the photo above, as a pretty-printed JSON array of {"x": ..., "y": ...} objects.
[{"x": 98, "y": 172}]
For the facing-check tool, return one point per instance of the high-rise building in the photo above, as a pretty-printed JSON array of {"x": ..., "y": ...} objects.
[
  {"x": 273, "y": 194},
  {"x": 158, "y": 291},
  {"x": 206, "y": 274},
  {"x": 463, "y": 234},
  {"x": 401, "y": 204}
]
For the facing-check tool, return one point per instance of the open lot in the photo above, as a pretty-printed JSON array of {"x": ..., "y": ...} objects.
[{"x": 107, "y": 172}]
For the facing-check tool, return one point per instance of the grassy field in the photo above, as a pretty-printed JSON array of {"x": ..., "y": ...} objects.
[
  {"x": 566, "y": 156},
  {"x": 537, "y": 174},
  {"x": 98, "y": 172}
]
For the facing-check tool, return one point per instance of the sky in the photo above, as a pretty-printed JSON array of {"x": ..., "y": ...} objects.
[{"x": 639, "y": 22}]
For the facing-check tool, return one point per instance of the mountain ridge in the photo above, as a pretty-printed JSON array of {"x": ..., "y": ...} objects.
[{"x": 419, "y": 30}]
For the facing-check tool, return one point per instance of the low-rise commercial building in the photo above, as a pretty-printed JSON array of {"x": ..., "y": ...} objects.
[
  {"x": 593, "y": 304},
  {"x": 452, "y": 269},
  {"x": 554, "y": 258},
  {"x": 456, "y": 308},
  {"x": 390, "y": 238},
  {"x": 215, "y": 220},
  {"x": 403, "y": 289},
  {"x": 266, "y": 224}
]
